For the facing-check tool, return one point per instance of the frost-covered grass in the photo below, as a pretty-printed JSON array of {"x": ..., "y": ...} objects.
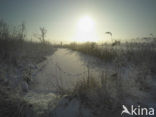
[
  {"x": 125, "y": 54},
  {"x": 133, "y": 82},
  {"x": 106, "y": 53},
  {"x": 12, "y": 104},
  {"x": 113, "y": 90},
  {"x": 18, "y": 58},
  {"x": 15, "y": 47},
  {"x": 13, "y": 51}
]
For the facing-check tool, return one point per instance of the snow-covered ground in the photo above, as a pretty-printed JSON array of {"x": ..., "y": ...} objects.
[{"x": 65, "y": 68}]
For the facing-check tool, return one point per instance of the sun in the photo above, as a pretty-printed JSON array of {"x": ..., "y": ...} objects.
[
  {"x": 86, "y": 24},
  {"x": 86, "y": 31}
]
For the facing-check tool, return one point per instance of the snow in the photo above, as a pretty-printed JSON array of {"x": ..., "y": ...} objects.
[
  {"x": 44, "y": 90},
  {"x": 65, "y": 68}
]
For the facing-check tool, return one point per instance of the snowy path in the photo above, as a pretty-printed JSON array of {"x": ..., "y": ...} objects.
[{"x": 64, "y": 67}]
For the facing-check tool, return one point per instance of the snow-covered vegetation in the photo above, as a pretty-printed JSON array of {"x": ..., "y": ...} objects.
[
  {"x": 127, "y": 76},
  {"x": 19, "y": 60}
]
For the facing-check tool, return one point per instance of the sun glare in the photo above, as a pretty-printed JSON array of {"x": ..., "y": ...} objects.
[
  {"x": 86, "y": 24},
  {"x": 86, "y": 30}
]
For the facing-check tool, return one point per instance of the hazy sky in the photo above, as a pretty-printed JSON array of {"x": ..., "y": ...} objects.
[{"x": 124, "y": 18}]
